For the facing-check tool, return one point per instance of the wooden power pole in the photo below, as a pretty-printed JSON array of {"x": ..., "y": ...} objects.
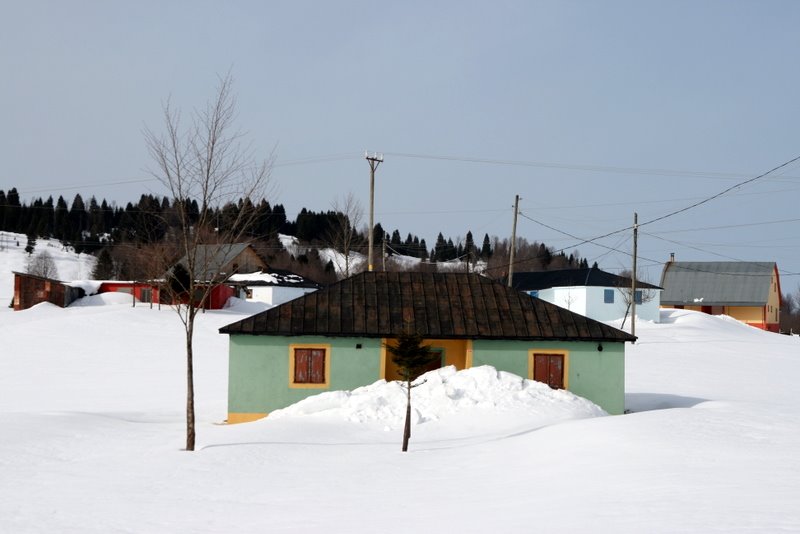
[
  {"x": 633, "y": 276},
  {"x": 513, "y": 242},
  {"x": 374, "y": 160}
]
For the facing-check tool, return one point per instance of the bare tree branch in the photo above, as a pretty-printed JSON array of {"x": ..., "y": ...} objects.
[{"x": 206, "y": 163}]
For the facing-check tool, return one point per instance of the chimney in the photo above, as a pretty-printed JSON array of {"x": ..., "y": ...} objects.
[{"x": 671, "y": 257}]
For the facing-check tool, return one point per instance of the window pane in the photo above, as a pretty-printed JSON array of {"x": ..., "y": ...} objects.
[
  {"x": 317, "y": 366},
  {"x": 302, "y": 358},
  {"x": 608, "y": 296},
  {"x": 638, "y": 297}
]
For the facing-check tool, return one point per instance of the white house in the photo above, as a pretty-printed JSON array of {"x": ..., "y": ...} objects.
[
  {"x": 274, "y": 287},
  {"x": 593, "y": 293}
]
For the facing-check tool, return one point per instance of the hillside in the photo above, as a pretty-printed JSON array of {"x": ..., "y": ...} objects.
[
  {"x": 71, "y": 266},
  {"x": 92, "y": 419}
]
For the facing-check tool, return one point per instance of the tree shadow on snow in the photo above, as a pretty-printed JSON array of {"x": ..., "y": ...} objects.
[{"x": 644, "y": 402}]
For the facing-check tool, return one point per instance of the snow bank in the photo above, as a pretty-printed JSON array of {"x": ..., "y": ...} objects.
[
  {"x": 238, "y": 305},
  {"x": 104, "y": 299},
  {"x": 444, "y": 392}
]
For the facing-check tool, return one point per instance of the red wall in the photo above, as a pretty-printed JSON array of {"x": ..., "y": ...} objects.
[{"x": 128, "y": 287}]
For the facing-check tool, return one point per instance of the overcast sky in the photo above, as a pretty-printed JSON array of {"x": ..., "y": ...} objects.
[{"x": 588, "y": 110}]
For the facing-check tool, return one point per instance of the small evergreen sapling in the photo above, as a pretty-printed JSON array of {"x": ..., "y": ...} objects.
[{"x": 411, "y": 358}]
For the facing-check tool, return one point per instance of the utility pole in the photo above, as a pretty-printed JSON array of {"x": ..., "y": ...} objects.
[
  {"x": 383, "y": 251},
  {"x": 633, "y": 277},
  {"x": 513, "y": 242},
  {"x": 374, "y": 160}
]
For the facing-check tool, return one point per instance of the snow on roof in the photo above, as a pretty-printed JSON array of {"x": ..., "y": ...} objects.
[
  {"x": 275, "y": 277},
  {"x": 90, "y": 287}
]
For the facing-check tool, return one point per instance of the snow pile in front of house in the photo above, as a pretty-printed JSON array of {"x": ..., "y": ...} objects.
[
  {"x": 444, "y": 392},
  {"x": 237, "y": 305}
]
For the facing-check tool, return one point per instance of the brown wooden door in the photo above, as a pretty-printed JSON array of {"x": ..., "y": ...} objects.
[
  {"x": 549, "y": 368},
  {"x": 309, "y": 366}
]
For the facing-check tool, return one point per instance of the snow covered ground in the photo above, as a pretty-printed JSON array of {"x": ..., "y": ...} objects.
[{"x": 91, "y": 416}]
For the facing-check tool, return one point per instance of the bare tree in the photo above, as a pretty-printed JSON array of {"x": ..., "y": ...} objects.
[
  {"x": 41, "y": 264},
  {"x": 627, "y": 295},
  {"x": 343, "y": 235},
  {"x": 204, "y": 165}
]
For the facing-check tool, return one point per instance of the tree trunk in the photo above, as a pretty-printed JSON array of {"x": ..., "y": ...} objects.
[
  {"x": 625, "y": 318},
  {"x": 407, "y": 427},
  {"x": 189, "y": 386}
]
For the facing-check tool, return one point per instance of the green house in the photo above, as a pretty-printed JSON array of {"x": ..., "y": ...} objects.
[{"x": 336, "y": 339}]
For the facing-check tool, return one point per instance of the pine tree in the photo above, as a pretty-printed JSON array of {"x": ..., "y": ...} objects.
[
  {"x": 469, "y": 247},
  {"x": 31, "y": 245},
  {"x": 13, "y": 211},
  {"x": 60, "y": 219},
  {"x": 104, "y": 268},
  {"x": 3, "y": 203},
  {"x": 411, "y": 357},
  {"x": 486, "y": 249}
]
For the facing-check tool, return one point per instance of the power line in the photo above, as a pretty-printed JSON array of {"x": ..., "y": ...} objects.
[
  {"x": 742, "y": 225},
  {"x": 574, "y": 166},
  {"x": 727, "y": 190}
]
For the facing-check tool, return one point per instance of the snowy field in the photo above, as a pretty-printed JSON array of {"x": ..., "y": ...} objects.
[{"x": 91, "y": 412}]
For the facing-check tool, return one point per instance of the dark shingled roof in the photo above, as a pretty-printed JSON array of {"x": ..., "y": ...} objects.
[
  {"x": 535, "y": 280},
  {"x": 434, "y": 305}
]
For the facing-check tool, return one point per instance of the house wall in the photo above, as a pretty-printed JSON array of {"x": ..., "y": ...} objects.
[
  {"x": 774, "y": 303},
  {"x": 590, "y": 302},
  {"x": 259, "y": 368},
  {"x": 32, "y": 290},
  {"x": 139, "y": 290},
  {"x": 571, "y": 298},
  {"x": 246, "y": 262},
  {"x": 274, "y": 295},
  {"x": 219, "y": 296},
  {"x": 596, "y": 375},
  {"x": 455, "y": 354},
  {"x": 258, "y": 371}
]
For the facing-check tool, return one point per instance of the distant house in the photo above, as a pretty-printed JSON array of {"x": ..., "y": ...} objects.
[
  {"x": 745, "y": 290},
  {"x": 30, "y": 290},
  {"x": 215, "y": 264},
  {"x": 591, "y": 292},
  {"x": 273, "y": 287},
  {"x": 220, "y": 261},
  {"x": 335, "y": 338}
]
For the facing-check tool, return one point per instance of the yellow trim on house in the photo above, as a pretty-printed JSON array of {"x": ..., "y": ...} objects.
[
  {"x": 382, "y": 371},
  {"x": 468, "y": 356},
  {"x": 564, "y": 353},
  {"x": 327, "y": 349},
  {"x": 236, "y": 418}
]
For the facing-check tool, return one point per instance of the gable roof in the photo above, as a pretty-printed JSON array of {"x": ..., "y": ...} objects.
[
  {"x": 717, "y": 283},
  {"x": 535, "y": 280},
  {"x": 210, "y": 260},
  {"x": 434, "y": 305}
]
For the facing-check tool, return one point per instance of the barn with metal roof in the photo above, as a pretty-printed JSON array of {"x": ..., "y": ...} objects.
[{"x": 745, "y": 290}]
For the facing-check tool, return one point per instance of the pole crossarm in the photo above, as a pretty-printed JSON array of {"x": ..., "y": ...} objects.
[{"x": 374, "y": 161}]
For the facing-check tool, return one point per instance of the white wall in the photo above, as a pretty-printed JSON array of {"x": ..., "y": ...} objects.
[
  {"x": 590, "y": 301},
  {"x": 274, "y": 295}
]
